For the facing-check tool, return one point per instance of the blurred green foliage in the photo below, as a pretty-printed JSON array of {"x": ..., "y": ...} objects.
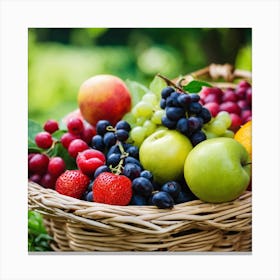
[{"x": 60, "y": 59}]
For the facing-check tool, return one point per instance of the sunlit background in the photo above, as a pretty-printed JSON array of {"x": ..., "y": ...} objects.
[{"x": 60, "y": 59}]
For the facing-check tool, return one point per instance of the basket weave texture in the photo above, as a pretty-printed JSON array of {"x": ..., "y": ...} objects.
[{"x": 195, "y": 226}]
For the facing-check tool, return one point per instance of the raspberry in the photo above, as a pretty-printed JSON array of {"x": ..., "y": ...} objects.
[
  {"x": 51, "y": 126},
  {"x": 43, "y": 140},
  {"x": 67, "y": 138},
  {"x": 77, "y": 146},
  {"x": 56, "y": 166},
  {"x": 75, "y": 126},
  {"x": 72, "y": 183},
  {"x": 112, "y": 189},
  {"x": 38, "y": 164},
  {"x": 89, "y": 160}
]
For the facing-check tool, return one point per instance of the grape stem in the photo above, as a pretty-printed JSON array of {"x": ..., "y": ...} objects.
[
  {"x": 118, "y": 169},
  {"x": 170, "y": 83}
]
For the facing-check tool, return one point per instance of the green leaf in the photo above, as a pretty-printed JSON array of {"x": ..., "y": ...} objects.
[
  {"x": 157, "y": 85},
  {"x": 136, "y": 90},
  {"x": 57, "y": 134},
  {"x": 195, "y": 86}
]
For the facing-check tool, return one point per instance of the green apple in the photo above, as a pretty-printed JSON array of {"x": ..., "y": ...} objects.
[
  {"x": 164, "y": 153},
  {"x": 218, "y": 170}
]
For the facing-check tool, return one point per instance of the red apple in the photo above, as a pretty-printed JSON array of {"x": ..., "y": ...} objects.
[{"x": 104, "y": 97}]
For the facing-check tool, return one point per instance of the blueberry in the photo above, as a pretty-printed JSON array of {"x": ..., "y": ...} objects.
[
  {"x": 101, "y": 169},
  {"x": 174, "y": 113},
  {"x": 195, "y": 107},
  {"x": 133, "y": 151},
  {"x": 113, "y": 159},
  {"x": 166, "y": 92},
  {"x": 115, "y": 149},
  {"x": 131, "y": 170},
  {"x": 168, "y": 123},
  {"x": 142, "y": 186},
  {"x": 101, "y": 127},
  {"x": 182, "y": 126},
  {"x": 97, "y": 142},
  {"x": 147, "y": 174},
  {"x": 172, "y": 187},
  {"x": 123, "y": 125},
  {"x": 197, "y": 137},
  {"x": 89, "y": 196},
  {"x": 109, "y": 139},
  {"x": 174, "y": 96},
  {"x": 162, "y": 200},
  {"x": 122, "y": 135},
  {"x": 139, "y": 200}
]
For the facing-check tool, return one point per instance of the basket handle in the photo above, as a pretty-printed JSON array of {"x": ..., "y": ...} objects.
[{"x": 216, "y": 71}]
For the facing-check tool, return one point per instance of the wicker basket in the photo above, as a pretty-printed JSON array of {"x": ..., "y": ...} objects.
[{"x": 194, "y": 226}]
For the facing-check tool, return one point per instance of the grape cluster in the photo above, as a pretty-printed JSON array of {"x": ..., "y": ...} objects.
[
  {"x": 145, "y": 118},
  {"x": 184, "y": 113}
]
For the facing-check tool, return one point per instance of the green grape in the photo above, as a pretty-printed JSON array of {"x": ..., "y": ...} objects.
[
  {"x": 150, "y": 127},
  {"x": 140, "y": 121},
  {"x": 150, "y": 98},
  {"x": 143, "y": 109},
  {"x": 210, "y": 134},
  {"x": 218, "y": 127},
  {"x": 156, "y": 118},
  {"x": 228, "y": 133},
  {"x": 138, "y": 134},
  {"x": 224, "y": 117}
]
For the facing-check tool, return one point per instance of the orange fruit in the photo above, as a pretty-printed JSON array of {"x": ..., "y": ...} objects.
[{"x": 244, "y": 136}]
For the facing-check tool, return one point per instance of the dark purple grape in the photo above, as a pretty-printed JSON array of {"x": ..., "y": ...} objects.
[
  {"x": 113, "y": 159},
  {"x": 142, "y": 186},
  {"x": 109, "y": 139},
  {"x": 171, "y": 187},
  {"x": 131, "y": 170},
  {"x": 122, "y": 135},
  {"x": 133, "y": 151},
  {"x": 130, "y": 159},
  {"x": 101, "y": 169},
  {"x": 194, "y": 97},
  {"x": 123, "y": 125},
  {"x": 89, "y": 196},
  {"x": 194, "y": 124},
  {"x": 184, "y": 197},
  {"x": 162, "y": 200},
  {"x": 195, "y": 108},
  {"x": 168, "y": 123},
  {"x": 162, "y": 103},
  {"x": 115, "y": 149},
  {"x": 182, "y": 126},
  {"x": 184, "y": 100},
  {"x": 166, "y": 92},
  {"x": 205, "y": 115},
  {"x": 101, "y": 127},
  {"x": 197, "y": 137},
  {"x": 97, "y": 142},
  {"x": 174, "y": 113}
]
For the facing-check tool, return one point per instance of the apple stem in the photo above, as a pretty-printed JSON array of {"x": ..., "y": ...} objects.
[{"x": 170, "y": 83}]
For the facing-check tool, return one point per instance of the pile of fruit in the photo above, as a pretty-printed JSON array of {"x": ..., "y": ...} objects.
[{"x": 131, "y": 145}]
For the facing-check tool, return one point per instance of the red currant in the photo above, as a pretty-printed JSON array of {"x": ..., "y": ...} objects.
[
  {"x": 75, "y": 126},
  {"x": 38, "y": 164},
  {"x": 56, "y": 166},
  {"x": 44, "y": 140},
  {"x": 67, "y": 138},
  {"x": 51, "y": 126},
  {"x": 77, "y": 146}
]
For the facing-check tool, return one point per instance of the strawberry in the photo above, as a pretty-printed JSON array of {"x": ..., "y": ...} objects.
[
  {"x": 72, "y": 183},
  {"x": 112, "y": 189}
]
